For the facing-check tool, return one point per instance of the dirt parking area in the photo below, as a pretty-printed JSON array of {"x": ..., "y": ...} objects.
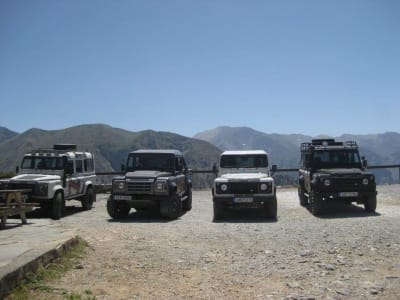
[{"x": 345, "y": 254}]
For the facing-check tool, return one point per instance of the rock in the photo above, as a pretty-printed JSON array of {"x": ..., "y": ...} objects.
[
  {"x": 374, "y": 292},
  {"x": 343, "y": 292}
]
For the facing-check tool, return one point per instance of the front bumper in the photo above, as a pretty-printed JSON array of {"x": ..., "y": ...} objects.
[
  {"x": 248, "y": 201},
  {"x": 139, "y": 200},
  {"x": 353, "y": 196}
]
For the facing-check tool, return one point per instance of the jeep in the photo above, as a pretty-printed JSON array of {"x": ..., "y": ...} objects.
[
  {"x": 333, "y": 171},
  {"x": 55, "y": 175},
  {"x": 244, "y": 181},
  {"x": 155, "y": 180}
]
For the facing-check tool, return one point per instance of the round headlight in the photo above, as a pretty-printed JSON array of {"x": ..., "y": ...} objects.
[
  {"x": 327, "y": 182},
  {"x": 365, "y": 181},
  {"x": 263, "y": 187},
  {"x": 224, "y": 187},
  {"x": 159, "y": 185},
  {"x": 121, "y": 185}
]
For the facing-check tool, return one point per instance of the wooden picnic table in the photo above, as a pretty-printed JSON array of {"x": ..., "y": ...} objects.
[{"x": 13, "y": 203}]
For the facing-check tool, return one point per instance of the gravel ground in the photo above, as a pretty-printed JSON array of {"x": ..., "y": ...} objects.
[{"x": 346, "y": 254}]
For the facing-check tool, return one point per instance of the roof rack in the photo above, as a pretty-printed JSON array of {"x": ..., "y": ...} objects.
[{"x": 326, "y": 143}]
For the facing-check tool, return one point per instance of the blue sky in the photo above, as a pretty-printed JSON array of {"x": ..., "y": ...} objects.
[{"x": 311, "y": 67}]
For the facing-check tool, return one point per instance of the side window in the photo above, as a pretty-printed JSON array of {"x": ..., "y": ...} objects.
[
  {"x": 78, "y": 166},
  {"x": 88, "y": 165},
  {"x": 70, "y": 167}
]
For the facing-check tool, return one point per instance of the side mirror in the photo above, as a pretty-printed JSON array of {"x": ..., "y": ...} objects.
[
  {"x": 364, "y": 162},
  {"x": 214, "y": 169},
  {"x": 274, "y": 168},
  {"x": 122, "y": 168}
]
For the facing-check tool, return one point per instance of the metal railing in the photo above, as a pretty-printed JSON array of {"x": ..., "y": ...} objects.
[{"x": 211, "y": 171}]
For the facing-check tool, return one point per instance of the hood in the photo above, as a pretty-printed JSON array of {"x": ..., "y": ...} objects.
[
  {"x": 147, "y": 174},
  {"x": 35, "y": 177},
  {"x": 234, "y": 176},
  {"x": 340, "y": 171}
]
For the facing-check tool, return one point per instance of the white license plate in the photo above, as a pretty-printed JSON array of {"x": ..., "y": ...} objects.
[
  {"x": 243, "y": 200},
  {"x": 122, "y": 197},
  {"x": 348, "y": 194}
]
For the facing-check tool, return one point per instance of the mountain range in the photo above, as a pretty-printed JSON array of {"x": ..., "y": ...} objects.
[{"x": 111, "y": 145}]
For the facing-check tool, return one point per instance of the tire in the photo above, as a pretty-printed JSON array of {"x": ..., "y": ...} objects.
[
  {"x": 187, "y": 204},
  {"x": 370, "y": 204},
  {"x": 219, "y": 211},
  {"x": 172, "y": 207},
  {"x": 303, "y": 199},
  {"x": 315, "y": 204},
  {"x": 117, "y": 210},
  {"x": 88, "y": 199},
  {"x": 58, "y": 206},
  {"x": 271, "y": 209}
]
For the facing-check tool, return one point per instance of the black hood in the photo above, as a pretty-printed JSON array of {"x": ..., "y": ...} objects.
[{"x": 147, "y": 174}]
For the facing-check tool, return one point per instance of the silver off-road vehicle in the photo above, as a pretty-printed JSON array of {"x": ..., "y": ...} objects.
[
  {"x": 55, "y": 175},
  {"x": 156, "y": 181},
  {"x": 244, "y": 181}
]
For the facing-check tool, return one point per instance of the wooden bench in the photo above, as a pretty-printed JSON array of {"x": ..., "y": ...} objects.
[{"x": 13, "y": 203}]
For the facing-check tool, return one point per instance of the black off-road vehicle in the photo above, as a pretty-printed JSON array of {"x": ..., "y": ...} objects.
[
  {"x": 333, "y": 171},
  {"x": 155, "y": 180}
]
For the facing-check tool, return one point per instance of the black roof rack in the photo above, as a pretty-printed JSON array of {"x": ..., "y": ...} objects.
[
  {"x": 326, "y": 143},
  {"x": 65, "y": 147}
]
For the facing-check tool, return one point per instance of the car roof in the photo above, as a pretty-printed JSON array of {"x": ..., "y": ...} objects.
[
  {"x": 159, "y": 151},
  {"x": 244, "y": 152}
]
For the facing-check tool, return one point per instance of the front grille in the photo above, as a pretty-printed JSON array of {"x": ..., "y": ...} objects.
[
  {"x": 346, "y": 183},
  {"x": 243, "y": 187},
  {"x": 19, "y": 186},
  {"x": 139, "y": 186}
]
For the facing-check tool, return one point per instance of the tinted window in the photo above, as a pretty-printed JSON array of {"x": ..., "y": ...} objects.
[
  {"x": 79, "y": 166},
  {"x": 163, "y": 162},
  {"x": 244, "y": 161},
  {"x": 42, "y": 163},
  {"x": 336, "y": 159}
]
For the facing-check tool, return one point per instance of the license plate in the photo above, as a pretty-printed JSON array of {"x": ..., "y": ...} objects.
[
  {"x": 243, "y": 200},
  {"x": 348, "y": 194},
  {"x": 122, "y": 197}
]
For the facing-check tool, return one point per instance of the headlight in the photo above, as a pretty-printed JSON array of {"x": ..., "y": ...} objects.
[
  {"x": 224, "y": 187},
  {"x": 263, "y": 187},
  {"x": 327, "y": 182},
  {"x": 119, "y": 185},
  {"x": 160, "y": 185},
  {"x": 365, "y": 181},
  {"x": 42, "y": 189}
]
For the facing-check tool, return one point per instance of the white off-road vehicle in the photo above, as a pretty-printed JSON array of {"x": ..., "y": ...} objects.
[
  {"x": 55, "y": 175},
  {"x": 244, "y": 181}
]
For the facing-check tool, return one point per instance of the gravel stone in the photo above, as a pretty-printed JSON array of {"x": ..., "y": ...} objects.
[{"x": 346, "y": 253}]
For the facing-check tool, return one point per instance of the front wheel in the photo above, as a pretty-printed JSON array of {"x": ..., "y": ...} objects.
[
  {"x": 218, "y": 211},
  {"x": 303, "y": 199},
  {"x": 315, "y": 203},
  {"x": 370, "y": 204},
  {"x": 58, "y": 206},
  {"x": 271, "y": 208},
  {"x": 117, "y": 210},
  {"x": 187, "y": 204},
  {"x": 87, "y": 200},
  {"x": 171, "y": 208}
]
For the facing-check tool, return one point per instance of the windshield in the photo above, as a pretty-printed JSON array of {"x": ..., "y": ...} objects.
[
  {"x": 244, "y": 161},
  {"x": 336, "y": 159},
  {"x": 155, "y": 162},
  {"x": 42, "y": 163}
]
